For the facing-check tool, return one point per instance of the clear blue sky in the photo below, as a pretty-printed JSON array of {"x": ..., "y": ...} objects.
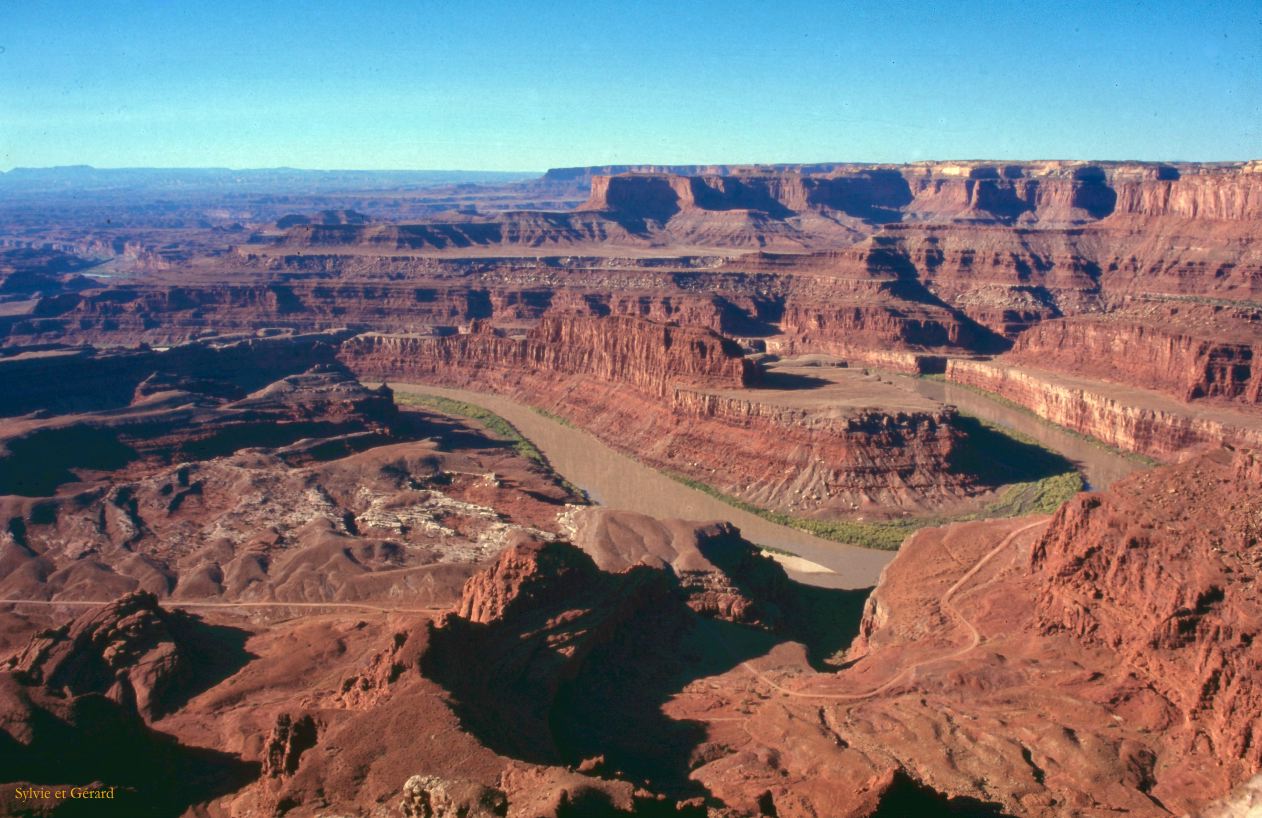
[{"x": 526, "y": 86}]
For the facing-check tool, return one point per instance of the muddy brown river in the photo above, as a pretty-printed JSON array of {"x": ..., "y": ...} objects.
[
  {"x": 612, "y": 479},
  {"x": 615, "y": 480}
]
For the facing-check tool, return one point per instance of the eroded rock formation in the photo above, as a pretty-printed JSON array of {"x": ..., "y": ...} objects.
[
  {"x": 1188, "y": 353},
  {"x": 1131, "y": 419},
  {"x": 715, "y": 570},
  {"x": 76, "y": 702},
  {"x": 313, "y": 488},
  {"x": 670, "y": 397},
  {"x": 1162, "y": 574},
  {"x": 127, "y": 651},
  {"x": 650, "y": 356}
]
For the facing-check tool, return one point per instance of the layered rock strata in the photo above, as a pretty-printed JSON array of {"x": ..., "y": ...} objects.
[
  {"x": 1102, "y": 660},
  {"x": 644, "y": 354},
  {"x": 643, "y": 394},
  {"x": 1161, "y": 574},
  {"x": 1131, "y": 419},
  {"x": 936, "y": 256},
  {"x": 1172, "y": 352}
]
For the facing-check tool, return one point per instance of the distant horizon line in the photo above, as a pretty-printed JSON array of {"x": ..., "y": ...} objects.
[{"x": 912, "y": 162}]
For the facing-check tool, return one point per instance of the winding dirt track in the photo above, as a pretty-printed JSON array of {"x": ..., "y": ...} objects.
[
  {"x": 171, "y": 603},
  {"x": 975, "y": 637}
]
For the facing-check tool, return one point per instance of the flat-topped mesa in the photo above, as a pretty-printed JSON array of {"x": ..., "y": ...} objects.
[
  {"x": 1235, "y": 196},
  {"x": 90, "y": 379},
  {"x": 619, "y": 349},
  {"x": 1161, "y": 569},
  {"x": 638, "y": 351},
  {"x": 1029, "y": 193},
  {"x": 873, "y": 195},
  {"x": 1081, "y": 192},
  {"x": 657, "y": 196}
]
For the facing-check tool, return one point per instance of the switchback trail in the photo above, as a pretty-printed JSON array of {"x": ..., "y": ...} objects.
[{"x": 944, "y": 602}]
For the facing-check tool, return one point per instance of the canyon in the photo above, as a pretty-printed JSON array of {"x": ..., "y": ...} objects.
[
  {"x": 1145, "y": 275},
  {"x": 284, "y": 520},
  {"x": 649, "y": 389}
]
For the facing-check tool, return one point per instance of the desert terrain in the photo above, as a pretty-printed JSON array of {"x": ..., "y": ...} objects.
[{"x": 831, "y": 490}]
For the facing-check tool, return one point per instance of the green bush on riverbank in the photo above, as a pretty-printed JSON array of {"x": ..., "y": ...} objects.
[
  {"x": 555, "y": 418},
  {"x": 1035, "y": 480},
  {"x": 886, "y": 536}
]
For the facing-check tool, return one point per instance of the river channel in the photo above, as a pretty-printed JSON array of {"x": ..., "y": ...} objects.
[{"x": 614, "y": 480}]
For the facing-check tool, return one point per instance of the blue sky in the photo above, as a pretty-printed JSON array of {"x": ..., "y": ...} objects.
[{"x": 526, "y": 86}]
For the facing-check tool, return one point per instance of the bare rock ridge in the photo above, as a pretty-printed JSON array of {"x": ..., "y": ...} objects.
[
  {"x": 172, "y": 417},
  {"x": 526, "y": 658},
  {"x": 86, "y": 379},
  {"x": 77, "y": 702},
  {"x": 126, "y": 651},
  {"x": 796, "y": 206},
  {"x": 1050, "y": 192},
  {"x": 1112, "y": 663},
  {"x": 1132, "y": 420},
  {"x": 715, "y": 570},
  {"x": 1180, "y": 358},
  {"x": 1164, "y": 579}
]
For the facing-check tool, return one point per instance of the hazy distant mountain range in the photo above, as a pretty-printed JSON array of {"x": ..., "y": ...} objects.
[{"x": 273, "y": 180}]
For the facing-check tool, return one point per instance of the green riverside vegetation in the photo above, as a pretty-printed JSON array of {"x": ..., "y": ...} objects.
[
  {"x": 1035, "y": 480},
  {"x": 1041, "y": 496},
  {"x": 492, "y": 422},
  {"x": 555, "y": 418}
]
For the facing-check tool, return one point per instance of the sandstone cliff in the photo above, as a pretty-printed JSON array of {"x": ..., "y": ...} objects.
[
  {"x": 1160, "y": 570},
  {"x": 632, "y": 383},
  {"x": 642, "y": 353},
  {"x": 1162, "y": 353},
  {"x": 1130, "y": 419},
  {"x": 1068, "y": 192}
]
